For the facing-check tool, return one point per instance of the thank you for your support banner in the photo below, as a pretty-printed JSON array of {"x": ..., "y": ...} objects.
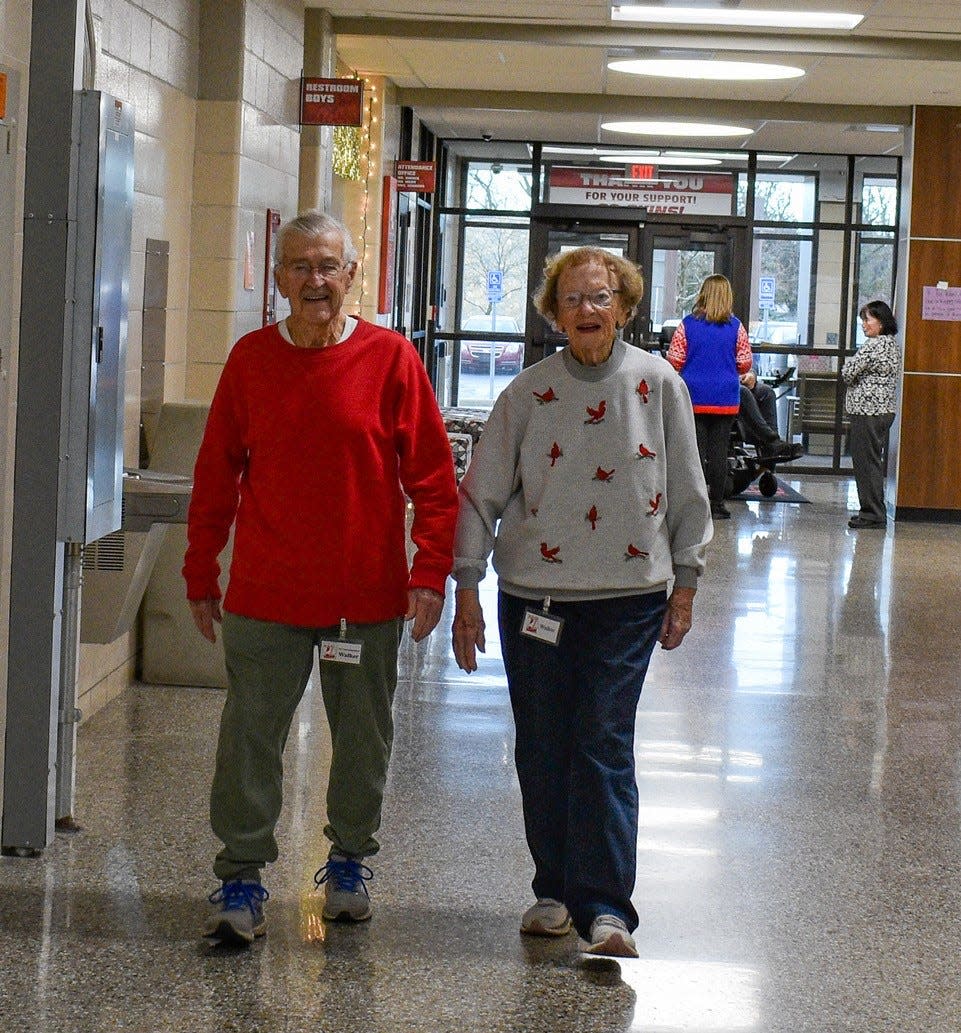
[{"x": 678, "y": 193}]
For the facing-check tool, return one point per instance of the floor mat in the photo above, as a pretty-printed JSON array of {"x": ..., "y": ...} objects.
[{"x": 784, "y": 493}]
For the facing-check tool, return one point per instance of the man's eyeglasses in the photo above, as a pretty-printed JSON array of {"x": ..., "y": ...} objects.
[
  {"x": 600, "y": 299},
  {"x": 328, "y": 270}
]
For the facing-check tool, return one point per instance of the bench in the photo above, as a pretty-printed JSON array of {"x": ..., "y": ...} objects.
[{"x": 816, "y": 406}]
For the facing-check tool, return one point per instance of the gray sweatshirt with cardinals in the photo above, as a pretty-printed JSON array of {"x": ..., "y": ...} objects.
[{"x": 586, "y": 483}]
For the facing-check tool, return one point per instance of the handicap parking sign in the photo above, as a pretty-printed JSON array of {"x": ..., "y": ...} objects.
[
  {"x": 495, "y": 284},
  {"x": 766, "y": 290}
]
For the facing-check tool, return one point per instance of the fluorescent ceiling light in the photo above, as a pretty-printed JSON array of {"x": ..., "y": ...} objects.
[
  {"x": 690, "y": 161},
  {"x": 675, "y": 129},
  {"x": 687, "y": 68},
  {"x": 873, "y": 128},
  {"x": 585, "y": 150},
  {"x": 735, "y": 16},
  {"x": 724, "y": 155}
]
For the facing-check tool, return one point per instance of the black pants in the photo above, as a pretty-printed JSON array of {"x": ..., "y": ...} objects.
[
  {"x": 713, "y": 439},
  {"x": 869, "y": 446},
  {"x": 758, "y": 415}
]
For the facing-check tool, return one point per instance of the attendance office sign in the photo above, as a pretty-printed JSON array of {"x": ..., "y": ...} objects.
[
  {"x": 676, "y": 193},
  {"x": 331, "y": 102}
]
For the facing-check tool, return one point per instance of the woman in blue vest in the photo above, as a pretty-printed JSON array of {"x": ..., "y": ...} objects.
[{"x": 710, "y": 349}]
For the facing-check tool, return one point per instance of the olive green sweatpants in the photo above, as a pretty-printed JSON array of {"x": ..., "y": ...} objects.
[{"x": 268, "y": 667}]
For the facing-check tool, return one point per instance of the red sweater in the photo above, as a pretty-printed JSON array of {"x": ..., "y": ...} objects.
[{"x": 311, "y": 451}]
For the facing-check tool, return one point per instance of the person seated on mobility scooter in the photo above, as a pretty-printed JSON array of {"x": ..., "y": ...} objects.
[{"x": 757, "y": 425}]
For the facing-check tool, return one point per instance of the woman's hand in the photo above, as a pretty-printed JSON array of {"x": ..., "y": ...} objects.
[
  {"x": 467, "y": 634},
  {"x": 678, "y": 618}
]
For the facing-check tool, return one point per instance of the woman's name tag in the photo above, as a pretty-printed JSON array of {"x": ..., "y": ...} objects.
[{"x": 541, "y": 625}]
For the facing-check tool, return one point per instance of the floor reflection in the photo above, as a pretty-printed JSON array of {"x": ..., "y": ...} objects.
[{"x": 799, "y": 861}]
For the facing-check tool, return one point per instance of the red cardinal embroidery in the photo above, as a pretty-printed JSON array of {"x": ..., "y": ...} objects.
[
  {"x": 596, "y": 415},
  {"x": 643, "y": 390},
  {"x": 655, "y": 504},
  {"x": 645, "y": 453},
  {"x": 555, "y": 453},
  {"x": 592, "y": 515},
  {"x": 534, "y": 511},
  {"x": 550, "y": 554},
  {"x": 547, "y": 396},
  {"x": 603, "y": 475},
  {"x": 633, "y": 552}
]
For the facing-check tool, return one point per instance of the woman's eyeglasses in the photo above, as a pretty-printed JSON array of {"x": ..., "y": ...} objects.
[{"x": 600, "y": 299}]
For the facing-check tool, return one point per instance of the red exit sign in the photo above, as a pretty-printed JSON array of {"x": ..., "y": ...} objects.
[{"x": 641, "y": 171}]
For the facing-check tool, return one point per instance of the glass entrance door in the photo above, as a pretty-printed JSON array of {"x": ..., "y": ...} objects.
[
  {"x": 674, "y": 259},
  {"x": 551, "y": 236}
]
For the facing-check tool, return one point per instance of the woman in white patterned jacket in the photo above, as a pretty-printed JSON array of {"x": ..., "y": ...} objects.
[{"x": 871, "y": 376}]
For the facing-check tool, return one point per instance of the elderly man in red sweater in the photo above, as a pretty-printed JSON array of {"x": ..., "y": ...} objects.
[{"x": 318, "y": 428}]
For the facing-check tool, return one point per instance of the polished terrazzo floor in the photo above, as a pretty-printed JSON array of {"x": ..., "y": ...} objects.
[{"x": 799, "y": 763}]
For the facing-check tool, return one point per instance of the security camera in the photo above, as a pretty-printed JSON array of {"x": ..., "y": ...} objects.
[
  {"x": 495, "y": 168},
  {"x": 487, "y": 137}
]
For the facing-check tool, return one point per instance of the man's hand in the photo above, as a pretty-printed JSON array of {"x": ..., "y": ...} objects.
[
  {"x": 468, "y": 630},
  {"x": 424, "y": 606},
  {"x": 749, "y": 379},
  {"x": 678, "y": 618},
  {"x": 205, "y": 612}
]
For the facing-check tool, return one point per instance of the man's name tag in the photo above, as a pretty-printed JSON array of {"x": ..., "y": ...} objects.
[
  {"x": 542, "y": 626},
  {"x": 339, "y": 651}
]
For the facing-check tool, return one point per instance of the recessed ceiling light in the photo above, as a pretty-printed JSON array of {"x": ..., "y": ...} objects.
[
  {"x": 688, "y": 161},
  {"x": 735, "y": 16},
  {"x": 675, "y": 129},
  {"x": 685, "y": 68}
]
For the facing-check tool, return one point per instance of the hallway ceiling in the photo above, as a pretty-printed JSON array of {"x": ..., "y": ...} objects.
[{"x": 490, "y": 66}]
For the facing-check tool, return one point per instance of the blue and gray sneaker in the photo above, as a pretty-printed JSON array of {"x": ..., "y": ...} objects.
[
  {"x": 238, "y": 914},
  {"x": 345, "y": 896}
]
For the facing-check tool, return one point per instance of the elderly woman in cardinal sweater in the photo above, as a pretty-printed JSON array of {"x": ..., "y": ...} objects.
[{"x": 587, "y": 485}]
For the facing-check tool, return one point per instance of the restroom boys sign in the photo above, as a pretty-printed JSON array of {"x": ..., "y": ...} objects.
[{"x": 331, "y": 102}]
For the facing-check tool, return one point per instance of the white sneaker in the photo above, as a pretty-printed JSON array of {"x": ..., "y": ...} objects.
[
  {"x": 548, "y": 917},
  {"x": 609, "y": 939}
]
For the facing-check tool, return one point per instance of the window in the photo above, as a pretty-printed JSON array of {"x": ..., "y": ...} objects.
[
  {"x": 497, "y": 186},
  {"x": 784, "y": 197}
]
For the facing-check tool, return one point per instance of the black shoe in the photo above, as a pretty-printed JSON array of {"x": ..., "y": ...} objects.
[
  {"x": 862, "y": 522},
  {"x": 719, "y": 511},
  {"x": 780, "y": 452}
]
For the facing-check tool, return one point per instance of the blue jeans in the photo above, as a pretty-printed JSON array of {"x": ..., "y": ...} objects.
[{"x": 574, "y": 709}]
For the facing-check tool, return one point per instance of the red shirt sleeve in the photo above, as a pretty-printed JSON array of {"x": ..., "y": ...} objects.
[
  {"x": 743, "y": 356},
  {"x": 427, "y": 476},
  {"x": 677, "y": 353},
  {"x": 213, "y": 502}
]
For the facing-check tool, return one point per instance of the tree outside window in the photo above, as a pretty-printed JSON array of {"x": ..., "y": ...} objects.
[{"x": 496, "y": 245}]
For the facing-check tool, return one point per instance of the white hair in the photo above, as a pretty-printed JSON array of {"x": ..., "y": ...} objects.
[{"x": 313, "y": 223}]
